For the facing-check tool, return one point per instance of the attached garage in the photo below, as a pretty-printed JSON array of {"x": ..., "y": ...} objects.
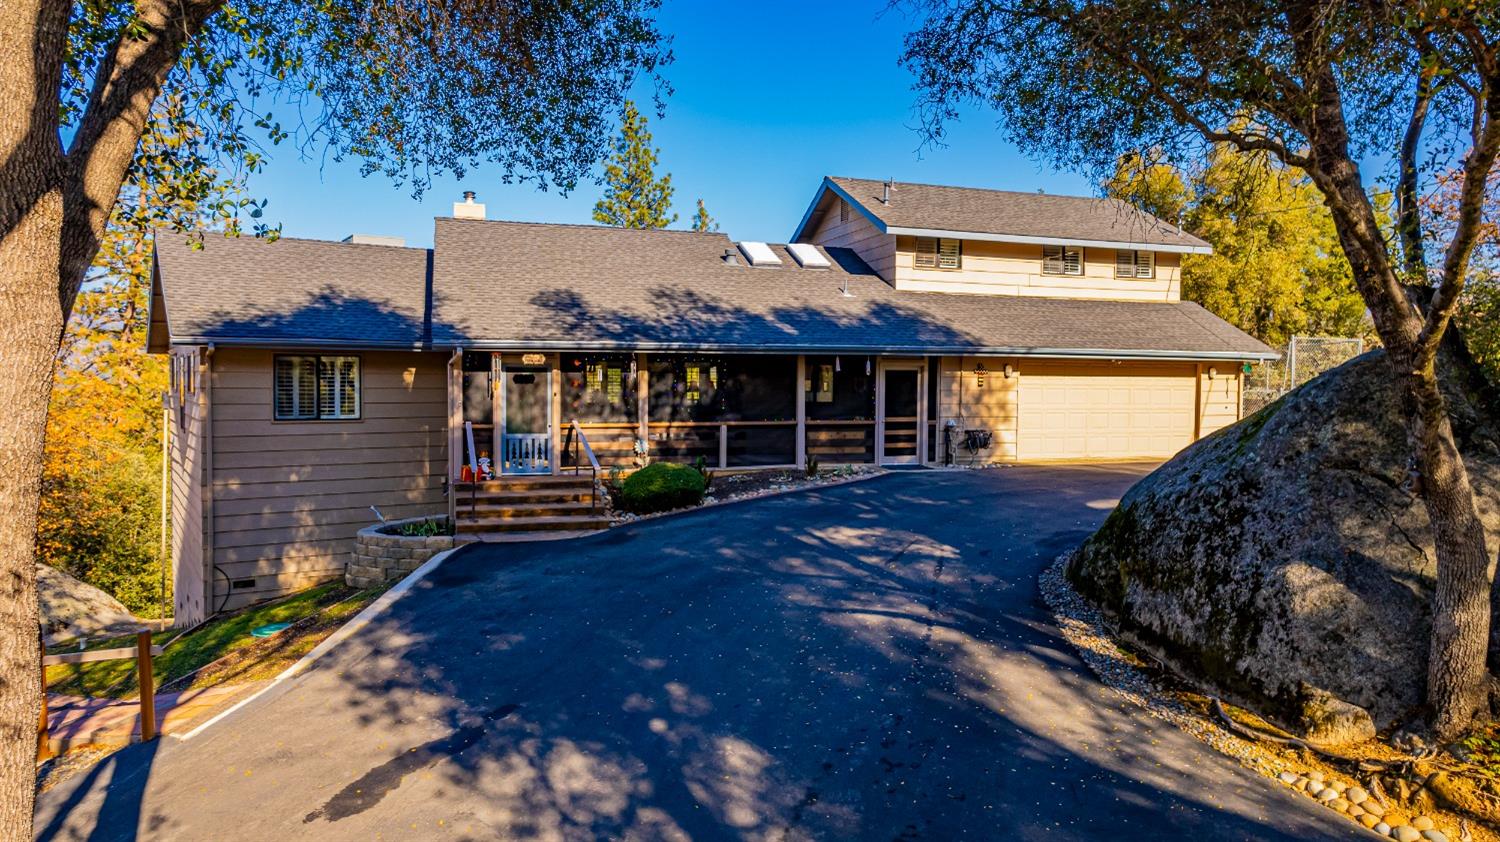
[{"x": 1104, "y": 410}]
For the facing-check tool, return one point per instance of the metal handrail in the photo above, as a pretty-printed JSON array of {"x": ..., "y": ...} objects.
[{"x": 580, "y": 440}]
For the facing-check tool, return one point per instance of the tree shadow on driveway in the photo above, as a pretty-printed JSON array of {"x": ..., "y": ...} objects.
[{"x": 868, "y": 661}]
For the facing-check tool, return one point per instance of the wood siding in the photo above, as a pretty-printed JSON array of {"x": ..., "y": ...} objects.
[
  {"x": 289, "y": 496},
  {"x": 1083, "y": 409},
  {"x": 185, "y": 449},
  {"x": 990, "y": 268},
  {"x": 991, "y": 407},
  {"x": 860, "y": 235},
  {"x": 1218, "y": 397}
]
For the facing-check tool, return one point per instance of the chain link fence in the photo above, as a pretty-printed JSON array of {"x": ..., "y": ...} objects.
[{"x": 1302, "y": 359}]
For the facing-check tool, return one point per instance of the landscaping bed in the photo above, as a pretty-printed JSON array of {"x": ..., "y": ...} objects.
[
  {"x": 222, "y": 650},
  {"x": 745, "y": 485},
  {"x": 1406, "y": 795}
]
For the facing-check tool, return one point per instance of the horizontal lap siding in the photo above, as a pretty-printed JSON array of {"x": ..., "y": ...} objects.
[
  {"x": 1016, "y": 269},
  {"x": 861, "y": 236},
  {"x": 1218, "y": 397},
  {"x": 990, "y": 407},
  {"x": 289, "y": 496},
  {"x": 185, "y": 454}
]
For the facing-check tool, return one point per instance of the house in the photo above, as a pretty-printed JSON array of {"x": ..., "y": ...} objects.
[{"x": 902, "y": 324}]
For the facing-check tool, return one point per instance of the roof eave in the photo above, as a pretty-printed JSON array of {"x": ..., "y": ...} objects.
[
  {"x": 883, "y": 350},
  {"x": 270, "y": 342},
  {"x": 1176, "y": 248}
]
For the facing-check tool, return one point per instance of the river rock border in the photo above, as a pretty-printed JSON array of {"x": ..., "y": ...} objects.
[
  {"x": 1085, "y": 628},
  {"x": 382, "y": 556}
]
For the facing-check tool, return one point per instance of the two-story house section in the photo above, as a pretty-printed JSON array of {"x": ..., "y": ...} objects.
[
  {"x": 1064, "y": 402},
  {"x": 903, "y": 325}
]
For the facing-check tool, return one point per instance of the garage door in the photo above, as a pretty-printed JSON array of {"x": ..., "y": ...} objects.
[{"x": 1104, "y": 410}]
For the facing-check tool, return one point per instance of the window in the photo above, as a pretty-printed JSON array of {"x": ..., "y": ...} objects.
[
  {"x": 939, "y": 253},
  {"x": 311, "y": 388},
  {"x": 824, "y": 392},
  {"x": 1134, "y": 264},
  {"x": 1062, "y": 260}
]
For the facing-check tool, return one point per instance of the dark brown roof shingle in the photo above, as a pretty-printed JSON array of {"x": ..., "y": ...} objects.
[{"x": 1004, "y": 213}]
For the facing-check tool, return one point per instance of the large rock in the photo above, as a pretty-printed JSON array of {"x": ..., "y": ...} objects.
[
  {"x": 72, "y": 609},
  {"x": 1281, "y": 557}
]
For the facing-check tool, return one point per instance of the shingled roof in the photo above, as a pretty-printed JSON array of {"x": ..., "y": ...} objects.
[
  {"x": 525, "y": 285},
  {"x": 1008, "y": 216},
  {"x": 291, "y": 291},
  {"x": 537, "y": 286}
]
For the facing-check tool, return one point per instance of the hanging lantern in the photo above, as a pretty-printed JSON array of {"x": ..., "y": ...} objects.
[
  {"x": 867, "y": 366},
  {"x": 837, "y": 366}
]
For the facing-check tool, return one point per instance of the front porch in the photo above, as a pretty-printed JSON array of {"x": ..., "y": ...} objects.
[{"x": 514, "y": 414}]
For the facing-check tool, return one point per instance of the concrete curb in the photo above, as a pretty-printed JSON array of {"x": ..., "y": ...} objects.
[
  {"x": 344, "y": 632},
  {"x": 717, "y": 503}
]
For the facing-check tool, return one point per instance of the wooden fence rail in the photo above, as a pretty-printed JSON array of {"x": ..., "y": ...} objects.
[{"x": 143, "y": 651}]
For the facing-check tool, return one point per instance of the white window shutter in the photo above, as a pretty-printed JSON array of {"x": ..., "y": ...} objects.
[
  {"x": 1052, "y": 260},
  {"x": 1125, "y": 260},
  {"x": 949, "y": 254},
  {"x": 1145, "y": 264},
  {"x": 927, "y": 253}
]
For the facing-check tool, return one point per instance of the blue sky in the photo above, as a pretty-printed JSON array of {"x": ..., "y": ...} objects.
[{"x": 763, "y": 107}]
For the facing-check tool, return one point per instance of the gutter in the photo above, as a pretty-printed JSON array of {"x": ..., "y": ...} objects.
[{"x": 885, "y": 350}]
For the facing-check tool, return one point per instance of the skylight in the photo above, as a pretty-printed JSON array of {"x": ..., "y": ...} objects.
[
  {"x": 808, "y": 256},
  {"x": 760, "y": 254}
]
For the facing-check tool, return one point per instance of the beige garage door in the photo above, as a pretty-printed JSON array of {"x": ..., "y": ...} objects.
[{"x": 1104, "y": 410}]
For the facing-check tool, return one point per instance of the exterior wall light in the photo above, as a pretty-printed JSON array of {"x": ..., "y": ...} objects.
[
  {"x": 1010, "y": 371},
  {"x": 1212, "y": 372}
]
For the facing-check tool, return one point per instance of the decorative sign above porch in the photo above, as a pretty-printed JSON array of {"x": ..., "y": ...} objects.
[{"x": 533, "y": 359}]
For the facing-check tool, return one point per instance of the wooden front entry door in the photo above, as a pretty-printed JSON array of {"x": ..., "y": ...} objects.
[
  {"x": 526, "y": 407},
  {"x": 899, "y": 418}
]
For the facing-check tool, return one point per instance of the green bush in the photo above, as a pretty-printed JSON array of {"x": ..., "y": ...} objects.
[{"x": 661, "y": 486}]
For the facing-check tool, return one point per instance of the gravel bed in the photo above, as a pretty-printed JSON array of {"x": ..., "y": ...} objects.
[{"x": 1085, "y": 628}]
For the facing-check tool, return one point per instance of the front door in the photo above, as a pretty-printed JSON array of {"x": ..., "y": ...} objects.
[
  {"x": 526, "y": 410},
  {"x": 899, "y": 411}
]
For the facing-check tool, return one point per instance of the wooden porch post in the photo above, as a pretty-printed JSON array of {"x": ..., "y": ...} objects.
[
  {"x": 455, "y": 427},
  {"x": 802, "y": 412},
  {"x": 555, "y": 426},
  {"x": 643, "y": 401}
]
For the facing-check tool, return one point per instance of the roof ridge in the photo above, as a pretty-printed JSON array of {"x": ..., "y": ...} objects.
[
  {"x": 582, "y": 225},
  {"x": 898, "y": 183}
]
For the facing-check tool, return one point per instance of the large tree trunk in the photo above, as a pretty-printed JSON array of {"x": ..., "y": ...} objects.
[
  {"x": 29, "y": 307},
  {"x": 1461, "y": 603}
]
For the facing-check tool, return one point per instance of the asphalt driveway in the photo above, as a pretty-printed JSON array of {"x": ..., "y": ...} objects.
[{"x": 870, "y": 661}]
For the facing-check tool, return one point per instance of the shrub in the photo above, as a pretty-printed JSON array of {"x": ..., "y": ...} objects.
[{"x": 661, "y": 486}]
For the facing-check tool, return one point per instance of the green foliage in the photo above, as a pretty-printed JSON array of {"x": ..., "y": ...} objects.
[
  {"x": 812, "y": 466},
  {"x": 415, "y": 90},
  {"x": 216, "y": 639},
  {"x": 100, "y": 515},
  {"x": 701, "y": 466},
  {"x": 633, "y": 196},
  {"x": 428, "y": 528},
  {"x": 1277, "y": 267},
  {"x": 702, "y": 222},
  {"x": 662, "y": 486}
]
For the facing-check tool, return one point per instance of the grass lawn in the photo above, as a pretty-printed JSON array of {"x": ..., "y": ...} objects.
[{"x": 222, "y": 650}]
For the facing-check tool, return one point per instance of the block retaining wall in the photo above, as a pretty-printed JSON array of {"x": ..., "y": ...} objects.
[{"x": 380, "y": 556}]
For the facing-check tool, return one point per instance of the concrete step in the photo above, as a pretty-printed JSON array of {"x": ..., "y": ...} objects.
[
  {"x": 522, "y": 537},
  {"x": 527, "y": 483},
  {"x": 533, "y": 524},
  {"x": 524, "y": 496},
  {"x": 487, "y": 509}
]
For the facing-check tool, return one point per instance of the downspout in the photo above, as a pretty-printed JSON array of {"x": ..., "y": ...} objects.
[
  {"x": 455, "y": 408},
  {"x": 162, "y": 556}
]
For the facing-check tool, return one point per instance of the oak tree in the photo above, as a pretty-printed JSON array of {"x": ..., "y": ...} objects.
[
  {"x": 1321, "y": 85},
  {"x": 413, "y": 88}
]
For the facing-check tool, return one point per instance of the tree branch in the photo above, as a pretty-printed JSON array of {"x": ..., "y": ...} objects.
[
  {"x": 1408, "y": 213},
  {"x": 127, "y": 83}
]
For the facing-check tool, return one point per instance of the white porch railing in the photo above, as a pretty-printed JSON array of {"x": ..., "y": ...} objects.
[{"x": 527, "y": 453}]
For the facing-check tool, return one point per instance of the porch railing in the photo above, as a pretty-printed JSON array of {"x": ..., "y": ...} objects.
[{"x": 577, "y": 443}]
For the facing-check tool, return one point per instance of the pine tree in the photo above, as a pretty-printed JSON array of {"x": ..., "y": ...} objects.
[
  {"x": 702, "y": 222},
  {"x": 633, "y": 196}
]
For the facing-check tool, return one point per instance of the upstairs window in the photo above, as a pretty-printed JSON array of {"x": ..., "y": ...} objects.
[
  {"x": 1130, "y": 263},
  {"x": 939, "y": 253},
  {"x": 1062, "y": 260},
  {"x": 316, "y": 388}
]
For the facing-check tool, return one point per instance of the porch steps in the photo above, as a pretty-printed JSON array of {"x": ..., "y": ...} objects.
[{"x": 521, "y": 508}]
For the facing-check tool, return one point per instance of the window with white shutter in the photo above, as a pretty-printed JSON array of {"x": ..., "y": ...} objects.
[
  {"x": 312, "y": 388},
  {"x": 938, "y": 253},
  {"x": 1062, "y": 260},
  {"x": 1130, "y": 263}
]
